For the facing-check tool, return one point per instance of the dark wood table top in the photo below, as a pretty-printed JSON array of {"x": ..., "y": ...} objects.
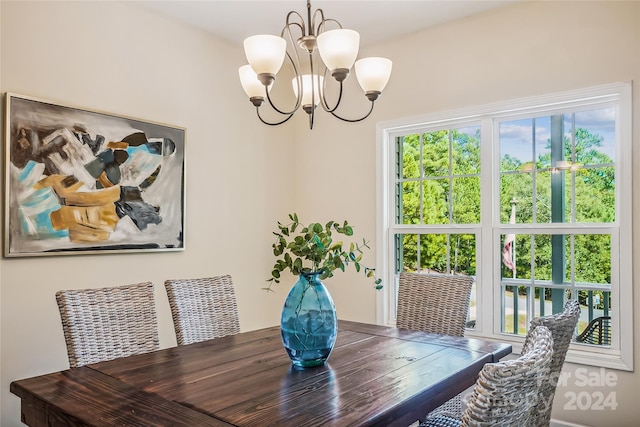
[{"x": 375, "y": 376}]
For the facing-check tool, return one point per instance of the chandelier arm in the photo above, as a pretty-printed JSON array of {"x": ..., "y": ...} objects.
[
  {"x": 334, "y": 114},
  {"x": 299, "y": 98},
  {"x": 292, "y": 24},
  {"x": 323, "y": 101},
  {"x": 295, "y": 64},
  {"x": 289, "y": 23},
  {"x": 313, "y": 91},
  {"x": 325, "y": 104},
  {"x": 274, "y": 123},
  {"x": 323, "y": 24},
  {"x": 312, "y": 22}
]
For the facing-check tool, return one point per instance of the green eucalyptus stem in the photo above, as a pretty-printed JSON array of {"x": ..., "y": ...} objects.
[{"x": 310, "y": 248}]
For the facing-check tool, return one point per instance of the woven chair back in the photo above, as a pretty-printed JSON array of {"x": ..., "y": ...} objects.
[
  {"x": 203, "y": 308},
  {"x": 436, "y": 303},
  {"x": 107, "y": 323},
  {"x": 506, "y": 391},
  {"x": 562, "y": 327}
]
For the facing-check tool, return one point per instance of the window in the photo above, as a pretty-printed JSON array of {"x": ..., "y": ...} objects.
[{"x": 533, "y": 199}]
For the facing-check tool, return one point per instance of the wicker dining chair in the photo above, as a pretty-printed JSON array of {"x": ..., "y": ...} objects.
[
  {"x": 107, "y": 323},
  {"x": 203, "y": 309},
  {"x": 436, "y": 303},
  {"x": 506, "y": 391},
  {"x": 562, "y": 326}
]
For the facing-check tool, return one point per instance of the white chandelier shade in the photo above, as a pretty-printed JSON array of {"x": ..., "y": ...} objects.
[
  {"x": 328, "y": 51},
  {"x": 250, "y": 83},
  {"x": 339, "y": 48},
  {"x": 373, "y": 73},
  {"x": 265, "y": 53},
  {"x": 309, "y": 96}
]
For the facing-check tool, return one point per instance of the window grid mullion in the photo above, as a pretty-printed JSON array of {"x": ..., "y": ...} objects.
[
  {"x": 421, "y": 179},
  {"x": 569, "y": 227}
]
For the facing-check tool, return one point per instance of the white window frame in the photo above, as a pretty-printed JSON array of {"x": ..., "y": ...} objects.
[{"x": 620, "y": 354}]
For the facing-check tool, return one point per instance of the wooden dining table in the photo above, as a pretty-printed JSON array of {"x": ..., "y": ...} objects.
[{"x": 375, "y": 376}]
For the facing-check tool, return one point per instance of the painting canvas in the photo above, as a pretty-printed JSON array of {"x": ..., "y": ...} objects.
[{"x": 80, "y": 181}]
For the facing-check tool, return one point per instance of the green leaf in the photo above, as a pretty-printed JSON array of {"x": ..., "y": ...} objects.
[
  {"x": 336, "y": 246},
  {"x": 318, "y": 242},
  {"x": 301, "y": 248}
]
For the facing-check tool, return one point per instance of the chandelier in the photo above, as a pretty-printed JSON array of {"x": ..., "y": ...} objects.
[{"x": 337, "y": 48}]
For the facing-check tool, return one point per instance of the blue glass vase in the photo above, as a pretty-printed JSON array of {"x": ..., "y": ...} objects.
[{"x": 309, "y": 324}]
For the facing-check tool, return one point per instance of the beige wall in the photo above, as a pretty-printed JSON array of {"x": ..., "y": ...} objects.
[
  {"x": 243, "y": 176},
  {"x": 122, "y": 59},
  {"x": 521, "y": 50}
]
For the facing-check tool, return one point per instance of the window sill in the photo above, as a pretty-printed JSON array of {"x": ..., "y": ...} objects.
[{"x": 599, "y": 357}]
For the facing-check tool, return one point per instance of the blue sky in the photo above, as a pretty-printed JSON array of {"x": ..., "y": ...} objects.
[{"x": 516, "y": 136}]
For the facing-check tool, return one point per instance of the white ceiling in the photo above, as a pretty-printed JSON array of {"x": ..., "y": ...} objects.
[{"x": 375, "y": 20}]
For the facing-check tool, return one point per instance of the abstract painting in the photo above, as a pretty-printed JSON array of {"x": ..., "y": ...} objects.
[{"x": 79, "y": 181}]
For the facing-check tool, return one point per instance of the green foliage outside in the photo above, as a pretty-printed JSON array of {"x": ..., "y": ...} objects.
[
  {"x": 448, "y": 192},
  {"x": 427, "y": 201}
]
